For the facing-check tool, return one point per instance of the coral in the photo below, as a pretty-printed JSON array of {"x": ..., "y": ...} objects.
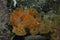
[
  {"x": 21, "y": 19},
  {"x": 46, "y": 26},
  {"x": 56, "y": 28}
]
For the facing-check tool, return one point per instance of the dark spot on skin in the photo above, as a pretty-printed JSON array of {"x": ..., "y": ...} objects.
[
  {"x": 27, "y": 31},
  {"x": 34, "y": 16}
]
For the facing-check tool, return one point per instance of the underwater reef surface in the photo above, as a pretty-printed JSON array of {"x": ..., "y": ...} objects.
[{"x": 50, "y": 19}]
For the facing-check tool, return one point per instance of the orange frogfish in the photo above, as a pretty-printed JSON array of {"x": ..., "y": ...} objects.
[{"x": 21, "y": 19}]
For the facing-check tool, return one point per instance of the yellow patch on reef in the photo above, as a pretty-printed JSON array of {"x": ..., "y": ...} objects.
[{"x": 21, "y": 19}]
